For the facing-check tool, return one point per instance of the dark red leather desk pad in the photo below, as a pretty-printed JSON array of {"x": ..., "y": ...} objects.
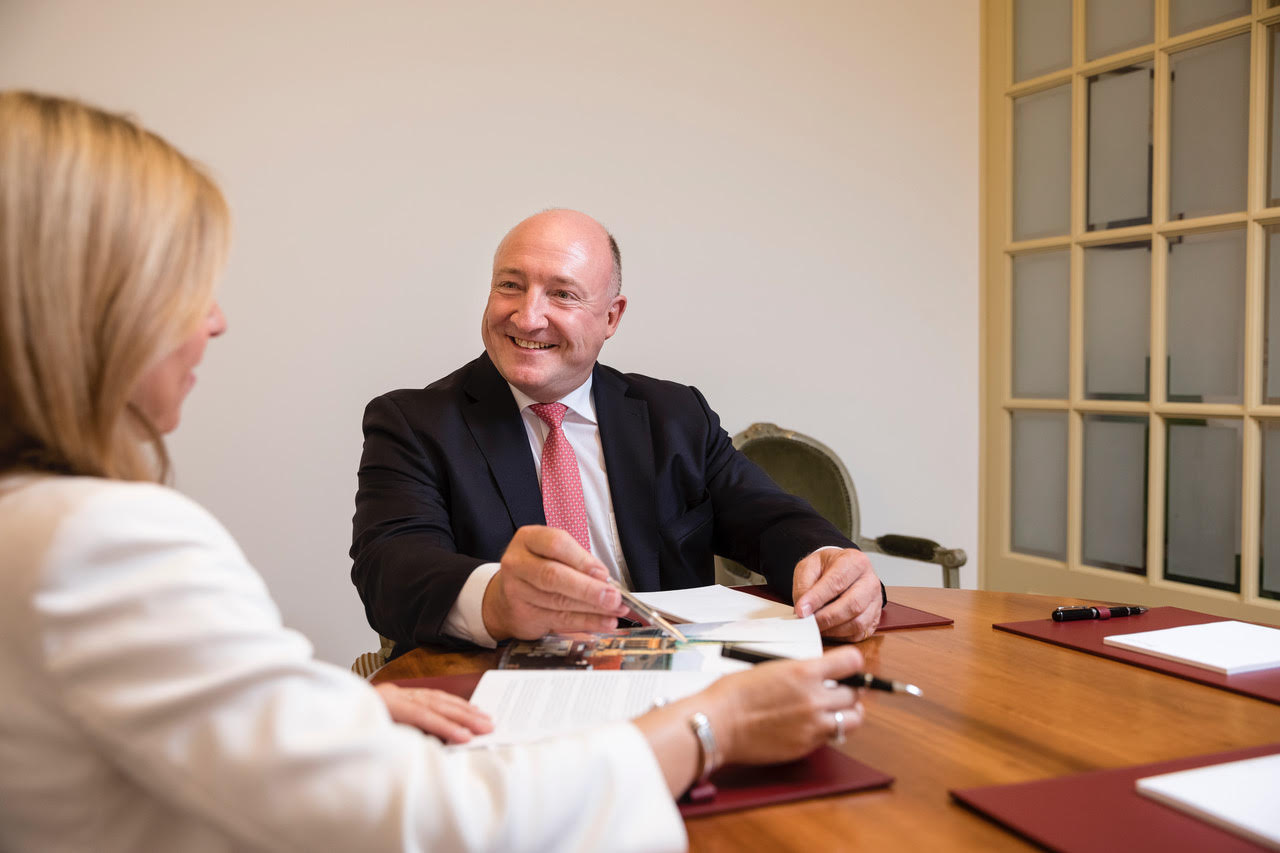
[
  {"x": 1102, "y": 810},
  {"x": 1086, "y": 636}
]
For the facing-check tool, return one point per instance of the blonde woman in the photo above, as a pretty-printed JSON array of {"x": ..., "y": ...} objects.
[{"x": 153, "y": 700}]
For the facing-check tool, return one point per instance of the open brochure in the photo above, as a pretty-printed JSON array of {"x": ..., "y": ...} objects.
[
  {"x": 532, "y": 704},
  {"x": 650, "y": 649},
  {"x": 563, "y": 682}
]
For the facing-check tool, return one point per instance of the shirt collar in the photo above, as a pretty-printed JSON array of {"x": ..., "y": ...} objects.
[{"x": 579, "y": 400}]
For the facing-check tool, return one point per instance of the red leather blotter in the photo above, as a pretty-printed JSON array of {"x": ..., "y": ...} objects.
[
  {"x": 892, "y": 617},
  {"x": 820, "y": 774},
  {"x": 1103, "y": 810},
  {"x": 1086, "y": 636},
  {"x": 462, "y": 685}
]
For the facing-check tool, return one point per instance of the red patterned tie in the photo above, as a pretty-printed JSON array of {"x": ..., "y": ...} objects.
[{"x": 561, "y": 484}]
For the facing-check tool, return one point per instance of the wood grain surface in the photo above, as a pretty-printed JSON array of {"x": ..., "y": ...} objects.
[{"x": 997, "y": 708}]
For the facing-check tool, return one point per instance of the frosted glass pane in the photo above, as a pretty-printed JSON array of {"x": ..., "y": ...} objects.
[
  {"x": 1209, "y": 135},
  {"x": 1042, "y": 164},
  {"x": 1120, "y": 147},
  {"x": 1117, "y": 321},
  {"x": 1041, "y": 37},
  {"x": 1041, "y": 306},
  {"x": 1273, "y": 145},
  {"x": 1206, "y": 317},
  {"x": 1039, "y": 487},
  {"x": 1269, "y": 559},
  {"x": 1115, "y": 25},
  {"x": 1271, "y": 366},
  {"x": 1202, "y": 514},
  {"x": 1115, "y": 493},
  {"x": 1187, "y": 15}
]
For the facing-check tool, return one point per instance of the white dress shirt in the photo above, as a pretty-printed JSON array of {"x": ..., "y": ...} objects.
[
  {"x": 583, "y": 432},
  {"x": 154, "y": 701}
]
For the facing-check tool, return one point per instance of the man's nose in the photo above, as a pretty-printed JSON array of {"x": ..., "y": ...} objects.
[{"x": 530, "y": 315}]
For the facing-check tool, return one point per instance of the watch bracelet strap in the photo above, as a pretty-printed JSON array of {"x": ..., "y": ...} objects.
[{"x": 708, "y": 752}]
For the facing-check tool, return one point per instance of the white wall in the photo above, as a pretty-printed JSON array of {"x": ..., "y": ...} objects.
[{"x": 793, "y": 184}]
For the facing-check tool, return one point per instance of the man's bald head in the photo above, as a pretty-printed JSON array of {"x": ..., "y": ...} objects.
[{"x": 567, "y": 218}]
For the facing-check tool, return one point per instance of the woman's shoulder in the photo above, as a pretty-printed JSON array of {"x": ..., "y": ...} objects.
[
  {"x": 44, "y": 512},
  {"x": 32, "y": 496}
]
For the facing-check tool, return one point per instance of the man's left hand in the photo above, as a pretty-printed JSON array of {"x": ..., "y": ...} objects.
[{"x": 841, "y": 587}]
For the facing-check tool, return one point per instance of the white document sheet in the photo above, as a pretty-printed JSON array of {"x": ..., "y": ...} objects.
[
  {"x": 1228, "y": 647},
  {"x": 786, "y": 637},
  {"x": 713, "y": 603},
  {"x": 527, "y": 704},
  {"x": 1239, "y": 796}
]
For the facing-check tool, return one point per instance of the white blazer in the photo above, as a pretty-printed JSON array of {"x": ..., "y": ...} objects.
[{"x": 153, "y": 701}]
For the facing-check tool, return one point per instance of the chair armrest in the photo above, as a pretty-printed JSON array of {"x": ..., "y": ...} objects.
[{"x": 914, "y": 548}]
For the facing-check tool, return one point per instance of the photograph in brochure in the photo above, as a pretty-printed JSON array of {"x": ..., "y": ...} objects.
[{"x": 627, "y": 649}]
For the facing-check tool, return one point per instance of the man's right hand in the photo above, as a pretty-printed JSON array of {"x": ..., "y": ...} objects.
[{"x": 548, "y": 582}]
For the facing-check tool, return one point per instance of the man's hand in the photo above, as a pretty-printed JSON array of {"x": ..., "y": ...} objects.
[
  {"x": 839, "y": 585},
  {"x": 548, "y": 582}
]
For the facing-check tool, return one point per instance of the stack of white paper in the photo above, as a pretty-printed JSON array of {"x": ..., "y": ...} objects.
[
  {"x": 1226, "y": 647},
  {"x": 1239, "y": 796},
  {"x": 713, "y": 603},
  {"x": 787, "y": 637},
  {"x": 726, "y": 615}
]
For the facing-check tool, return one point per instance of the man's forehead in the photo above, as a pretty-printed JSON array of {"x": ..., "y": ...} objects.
[{"x": 517, "y": 271}]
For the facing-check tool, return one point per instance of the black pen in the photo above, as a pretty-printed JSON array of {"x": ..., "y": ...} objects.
[
  {"x": 1072, "y": 613},
  {"x": 858, "y": 679}
]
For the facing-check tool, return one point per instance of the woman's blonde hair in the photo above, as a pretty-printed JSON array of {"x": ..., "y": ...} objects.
[{"x": 110, "y": 244}]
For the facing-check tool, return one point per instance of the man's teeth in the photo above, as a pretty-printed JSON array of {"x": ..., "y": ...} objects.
[{"x": 520, "y": 342}]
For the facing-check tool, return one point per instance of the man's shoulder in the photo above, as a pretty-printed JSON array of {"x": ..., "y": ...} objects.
[
  {"x": 645, "y": 387},
  {"x": 438, "y": 394},
  {"x": 673, "y": 404}
]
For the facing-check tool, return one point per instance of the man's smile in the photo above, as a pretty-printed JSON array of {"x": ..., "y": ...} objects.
[{"x": 523, "y": 344}]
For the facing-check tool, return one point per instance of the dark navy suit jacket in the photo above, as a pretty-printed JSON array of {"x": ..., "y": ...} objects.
[{"x": 447, "y": 477}]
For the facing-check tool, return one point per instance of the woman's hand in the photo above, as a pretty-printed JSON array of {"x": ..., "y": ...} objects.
[
  {"x": 448, "y": 717},
  {"x": 782, "y": 710},
  {"x": 774, "y": 712}
]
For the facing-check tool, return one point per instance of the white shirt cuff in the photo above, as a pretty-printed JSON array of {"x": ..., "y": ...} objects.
[{"x": 466, "y": 620}]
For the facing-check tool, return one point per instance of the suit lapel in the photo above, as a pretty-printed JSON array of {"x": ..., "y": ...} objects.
[
  {"x": 491, "y": 415},
  {"x": 628, "y": 458}
]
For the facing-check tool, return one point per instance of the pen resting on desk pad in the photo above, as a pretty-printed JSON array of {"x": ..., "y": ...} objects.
[{"x": 1087, "y": 636}]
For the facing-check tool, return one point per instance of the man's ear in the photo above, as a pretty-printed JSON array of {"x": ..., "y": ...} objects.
[{"x": 616, "y": 307}]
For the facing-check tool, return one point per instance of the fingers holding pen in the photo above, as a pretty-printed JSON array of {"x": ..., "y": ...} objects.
[{"x": 548, "y": 582}]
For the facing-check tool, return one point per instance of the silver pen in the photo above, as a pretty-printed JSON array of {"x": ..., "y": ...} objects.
[{"x": 646, "y": 611}]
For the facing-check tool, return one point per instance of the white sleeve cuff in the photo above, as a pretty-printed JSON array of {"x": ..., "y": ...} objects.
[{"x": 466, "y": 620}]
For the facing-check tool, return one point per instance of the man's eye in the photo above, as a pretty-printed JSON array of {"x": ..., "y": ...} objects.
[
  {"x": 565, "y": 294},
  {"x": 505, "y": 285}
]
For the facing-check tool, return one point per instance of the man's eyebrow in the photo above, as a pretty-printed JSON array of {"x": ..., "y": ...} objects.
[{"x": 560, "y": 280}]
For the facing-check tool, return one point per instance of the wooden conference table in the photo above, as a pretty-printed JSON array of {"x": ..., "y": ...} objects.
[{"x": 997, "y": 709}]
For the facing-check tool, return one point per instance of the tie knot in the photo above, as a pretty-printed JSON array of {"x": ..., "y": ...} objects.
[{"x": 551, "y": 413}]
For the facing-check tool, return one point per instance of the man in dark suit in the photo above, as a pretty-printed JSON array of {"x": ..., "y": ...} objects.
[{"x": 450, "y": 532}]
